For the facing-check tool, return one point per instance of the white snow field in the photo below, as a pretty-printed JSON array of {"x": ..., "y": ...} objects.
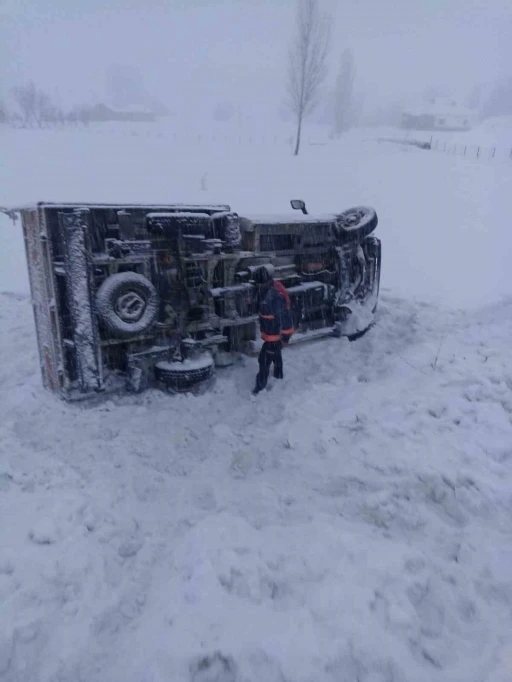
[{"x": 353, "y": 524}]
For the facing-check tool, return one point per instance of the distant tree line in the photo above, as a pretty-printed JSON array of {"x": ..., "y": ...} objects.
[{"x": 31, "y": 107}]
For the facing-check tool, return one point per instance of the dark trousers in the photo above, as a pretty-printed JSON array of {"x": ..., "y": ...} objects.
[{"x": 269, "y": 353}]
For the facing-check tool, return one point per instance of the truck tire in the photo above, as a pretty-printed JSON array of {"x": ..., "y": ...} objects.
[
  {"x": 181, "y": 377},
  {"x": 356, "y": 223},
  {"x": 127, "y": 305}
]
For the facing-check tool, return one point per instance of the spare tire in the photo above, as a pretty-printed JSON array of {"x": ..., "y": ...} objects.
[
  {"x": 127, "y": 304},
  {"x": 184, "y": 376},
  {"x": 356, "y": 223}
]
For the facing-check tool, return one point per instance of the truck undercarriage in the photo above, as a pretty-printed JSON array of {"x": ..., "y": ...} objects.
[{"x": 132, "y": 296}]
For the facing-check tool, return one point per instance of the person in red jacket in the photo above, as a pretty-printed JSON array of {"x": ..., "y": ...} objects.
[{"x": 276, "y": 324}]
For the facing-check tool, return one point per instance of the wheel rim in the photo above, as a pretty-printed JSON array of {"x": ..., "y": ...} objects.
[
  {"x": 352, "y": 218},
  {"x": 130, "y": 306}
]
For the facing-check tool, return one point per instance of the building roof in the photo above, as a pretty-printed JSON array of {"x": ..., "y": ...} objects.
[{"x": 440, "y": 106}]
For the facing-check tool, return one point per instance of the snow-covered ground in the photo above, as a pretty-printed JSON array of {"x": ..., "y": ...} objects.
[
  {"x": 442, "y": 220},
  {"x": 353, "y": 524}
]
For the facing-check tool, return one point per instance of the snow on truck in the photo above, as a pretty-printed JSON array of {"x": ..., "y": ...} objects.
[{"x": 134, "y": 296}]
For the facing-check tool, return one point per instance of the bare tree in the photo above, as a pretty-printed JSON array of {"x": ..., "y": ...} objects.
[
  {"x": 307, "y": 66},
  {"x": 35, "y": 105},
  {"x": 344, "y": 104}
]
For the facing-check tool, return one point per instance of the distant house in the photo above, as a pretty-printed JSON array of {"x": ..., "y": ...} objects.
[
  {"x": 101, "y": 112},
  {"x": 439, "y": 113}
]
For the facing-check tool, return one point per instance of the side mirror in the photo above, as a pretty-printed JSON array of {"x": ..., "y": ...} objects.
[{"x": 299, "y": 205}]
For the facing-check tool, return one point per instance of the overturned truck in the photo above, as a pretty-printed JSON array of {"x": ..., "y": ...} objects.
[{"x": 127, "y": 297}]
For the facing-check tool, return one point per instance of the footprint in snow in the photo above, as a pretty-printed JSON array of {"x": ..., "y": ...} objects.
[{"x": 214, "y": 668}]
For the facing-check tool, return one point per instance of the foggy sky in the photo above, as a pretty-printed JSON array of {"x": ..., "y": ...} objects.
[{"x": 194, "y": 53}]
